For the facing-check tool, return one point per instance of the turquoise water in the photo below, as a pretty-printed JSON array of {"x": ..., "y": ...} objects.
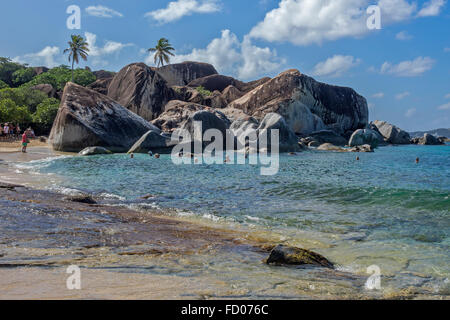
[{"x": 384, "y": 209}]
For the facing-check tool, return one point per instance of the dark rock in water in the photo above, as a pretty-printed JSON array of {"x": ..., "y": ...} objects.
[
  {"x": 81, "y": 198},
  {"x": 101, "y": 85},
  {"x": 329, "y": 136},
  {"x": 90, "y": 151},
  {"x": 306, "y": 105},
  {"x": 9, "y": 186},
  {"x": 102, "y": 74},
  {"x": 429, "y": 139},
  {"x": 288, "y": 141},
  {"x": 151, "y": 141},
  {"x": 296, "y": 256},
  {"x": 140, "y": 89},
  {"x": 216, "y": 82},
  {"x": 87, "y": 118},
  {"x": 365, "y": 136},
  {"x": 180, "y": 74},
  {"x": 46, "y": 88},
  {"x": 391, "y": 133}
]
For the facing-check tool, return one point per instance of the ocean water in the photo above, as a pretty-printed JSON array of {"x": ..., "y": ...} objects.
[{"x": 382, "y": 210}]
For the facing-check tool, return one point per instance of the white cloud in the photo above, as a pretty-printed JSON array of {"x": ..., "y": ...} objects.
[
  {"x": 335, "y": 66},
  {"x": 378, "y": 95},
  {"x": 305, "y": 22},
  {"x": 229, "y": 55},
  {"x": 447, "y": 96},
  {"x": 403, "y": 35},
  {"x": 431, "y": 8},
  {"x": 110, "y": 47},
  {"x": 45, "y": 57},
  {"x": 408, "y": 68},
  {"x": 444, "y": 106},
  {"x": 103, "y": 12},
  {"x": 402, "y": 95},
  {"x": 410, "y": 112},
  {"x": 175, "y": 10}
]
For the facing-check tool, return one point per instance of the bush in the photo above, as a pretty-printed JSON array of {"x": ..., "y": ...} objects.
[
  {"x": 45, "y": 114},
  {"x": 59, "y": 76},
  {"x": 10, "y": 112},
  {"x": 3, "y": 85},
  {"x": 7, "y": 68},
  {"x": 203, "y": 91},
  {"x": 24, "y": 96},
  {"x": 22, "y": 76}
]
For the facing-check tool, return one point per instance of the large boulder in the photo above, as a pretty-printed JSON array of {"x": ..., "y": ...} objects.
[
  {"x": 178, "y": 112},
  {"x": 208, "y": 120},
  {"x": 46, "y": 88},
  {"x": 365, "y": 136},
  {"x": 101, "y": 85},
  {"x": 87, "y": 118},
  {"x": 231, "y": 93},
  {"x": 40, "y": 70},
  {"x": 216, "y": 82},
  {"x": 103, "y": 74},
  {"x": 140, "y": 89},
  {"x": 391, "y": 133},
  {"x": 330, "y": 136},
  {"x": 296, "y": 256},
  {"x": 151, "y": 141},
  {"x": 245, "y": 131},
  {"x": 181, "y": 74},
  {"x": 429, "y": 139},
  {"x": 288, "y": 141},
  {"x": 306, "y": 105}
]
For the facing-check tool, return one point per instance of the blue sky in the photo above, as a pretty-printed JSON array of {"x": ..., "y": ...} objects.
[{"x": 403, "y": 69}]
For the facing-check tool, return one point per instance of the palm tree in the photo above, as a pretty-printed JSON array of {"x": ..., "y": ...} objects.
[
  {"x": 78, "y": 47},
  {"x": 162, "y": 51}
]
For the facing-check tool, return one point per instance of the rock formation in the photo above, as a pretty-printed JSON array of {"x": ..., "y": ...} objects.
[
  {"x": 365, "y": 136},
  {"x": 296, "y": 256},
  {"x": 306, "y": 105},
  {"x": 140, "y": 89},
  {"x": 151, "y": 141},
  {"x": 46, "y": 88},
  {"x": 391, "y": 133},
  {"x": 101, "y": 85},
  {"x": 91, "y": 151},
  {"x": 288, "y": 141},
  {"x": 87, "y": 118},
  {"x": 180, "y": 74}
]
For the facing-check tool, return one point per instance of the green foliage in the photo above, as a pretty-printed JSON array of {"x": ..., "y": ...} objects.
[
  {"x": 59, "y": 76},
  {"x": 23, "y": 96},
  {"x": 7, "y": 68},
  {"x": 163, "y": 51},
  {"x": 45, "y": 114},
  {"x": 203, "y": 91},
  {"x": 10, "y": 112},
  {"x": 3, "y": 85},
  {"x": 22, "y": 76}
]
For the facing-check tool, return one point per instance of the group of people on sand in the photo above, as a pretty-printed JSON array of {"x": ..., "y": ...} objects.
[{"x": 9, "y": 131}]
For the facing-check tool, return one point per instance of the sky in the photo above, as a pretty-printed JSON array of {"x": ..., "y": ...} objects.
[{"x": 402, "y": 68}]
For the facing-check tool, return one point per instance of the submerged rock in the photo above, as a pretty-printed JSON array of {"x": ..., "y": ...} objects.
[
  {"x": 84, "y": 198},
  {"x": 90, "y": 151},
  {"x": 391, "y": 133},
  {"x": 87, "y": 118},
  {"x": 306, "y": 105},
  {"x": 296, "y": 256}
]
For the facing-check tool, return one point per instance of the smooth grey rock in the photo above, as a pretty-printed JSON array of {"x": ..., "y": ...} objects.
[
  {"x": 180, "y": 74},
  {"x": 391, "y": 133},
  {"x": 151, "y": 141},
  {"x": 288, "y": 141},
  {"x": 90, "y": 151},
  {"x": 365, "y": 136},
  {"x": 87, "y": 118}
]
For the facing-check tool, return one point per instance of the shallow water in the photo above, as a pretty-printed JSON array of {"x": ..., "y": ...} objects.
[{"x": 383, "y": 210}]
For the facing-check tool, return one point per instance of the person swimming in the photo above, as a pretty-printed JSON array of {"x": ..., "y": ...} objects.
[
  {"x": 417, "y": 160},
  {"x": 150, "y": 154},
  {"x": 357, "y": 158},
  {"x": 131, "y": 155},
  {"x": 157, "y": 155}
]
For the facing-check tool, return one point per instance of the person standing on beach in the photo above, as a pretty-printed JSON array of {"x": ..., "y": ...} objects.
[{"x": 25, "y": 142}]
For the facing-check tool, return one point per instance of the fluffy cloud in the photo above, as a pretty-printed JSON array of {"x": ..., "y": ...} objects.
[
  {"x": 408, "y": 68},
  {"x": 110, "y": 47},
  {"x": 229, "y": 55},
  {"x": 444, "y": 106},
  {"x": 304, "y": 22},
  {"x": 45, "y": 57},
  {"x": 402, "y": 95},
  {"x": 102, "y": 12},
  {"x": 431, "y": 8},
  {"x": 175, "y": 10},
  {"x": 335, "y": 66},
  {"x": 410, "y": 112},
  {"x": 378, "y": 95},
  {"x": 403, "y": 35}
]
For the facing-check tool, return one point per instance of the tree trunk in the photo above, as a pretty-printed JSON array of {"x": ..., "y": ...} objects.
[{"x": 72, "y": 68}]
